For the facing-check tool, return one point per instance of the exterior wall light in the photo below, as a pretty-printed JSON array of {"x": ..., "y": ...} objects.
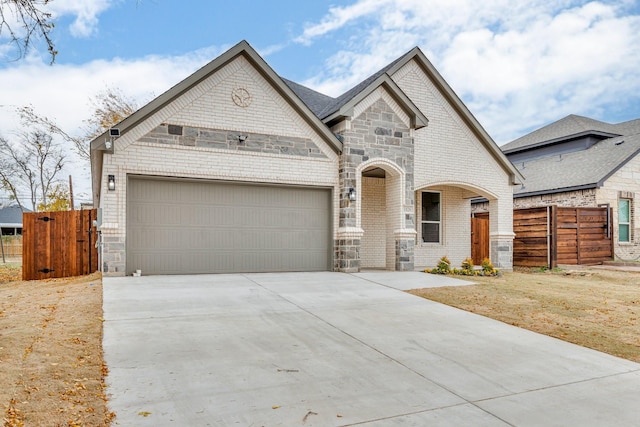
[
  {"x": 108, "y": 143},
  {"x": 352, "y": 195},
  {"x": 111, "y": 184}
]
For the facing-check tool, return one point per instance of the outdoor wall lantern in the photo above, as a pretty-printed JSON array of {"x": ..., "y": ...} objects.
[
  {"x": 111, "y": 185},
  {"x": 352, "y": 195},
  {"x": 108, "y": 144}
]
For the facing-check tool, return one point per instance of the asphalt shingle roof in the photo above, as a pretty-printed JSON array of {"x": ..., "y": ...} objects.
[
  {"x": 570, "y": 125},
  {"x": 11, "y": 215},
  {"x": 580, "y": 169},
  {"x": 316, "y": 101},
  {"x": 322, "y": 105}
]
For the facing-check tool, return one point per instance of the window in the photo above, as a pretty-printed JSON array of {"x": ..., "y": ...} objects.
[
  {"x": 624, "y": 220},
  {"x": 430, "y": 217}
]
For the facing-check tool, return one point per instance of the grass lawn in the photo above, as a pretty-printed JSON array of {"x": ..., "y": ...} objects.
[
  {"x": 51, "y": 351},
  {"x": 599, "y": 309}
]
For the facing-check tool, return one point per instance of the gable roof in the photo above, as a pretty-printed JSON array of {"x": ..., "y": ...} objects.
[
  {"x": 243, "y": 48},
  {"x": 456, "y": 103},
  {"x": 11, "y": 216},
  {"x": 364, "y": 86},
  {"x": 342, "y": 104},
  {"x": 577, "y": 170},
  {"x": 316, "y": 101},
  {"x": 313, "y": 106},
  {"x": 570, "y": 126}
]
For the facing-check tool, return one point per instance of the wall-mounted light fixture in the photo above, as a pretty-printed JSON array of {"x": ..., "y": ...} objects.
[
  {"x": 111, "y": 182},
  {"x": 352, "y": 195},
  {"x": 108, "y": 143}
]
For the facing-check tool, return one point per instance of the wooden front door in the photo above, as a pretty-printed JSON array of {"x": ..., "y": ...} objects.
[{"x": 479, "y": 239}]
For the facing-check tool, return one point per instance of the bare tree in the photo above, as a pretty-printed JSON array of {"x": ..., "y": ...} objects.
[
  {"x": 109, "y": 108},
  {"x": 30, "y": 169},
  {"x": 22, "y": 20}
]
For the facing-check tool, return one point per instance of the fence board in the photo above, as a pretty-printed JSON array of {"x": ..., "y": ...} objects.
[
  {"x": 59, "y": 244},
  {"x": 576, "y": 236}
]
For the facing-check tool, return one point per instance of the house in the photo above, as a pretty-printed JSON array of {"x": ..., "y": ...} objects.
[
  {"x": 236, "y": 169},
  {"x": 581, "y": 162},
  {"x": 11, "y": 221}
]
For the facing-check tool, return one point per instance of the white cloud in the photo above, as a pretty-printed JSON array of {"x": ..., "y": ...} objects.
[
  {"x": 62, "y": 92},
  {"x": 86, "y": 14},
  {"x": 516, "y": 64}
]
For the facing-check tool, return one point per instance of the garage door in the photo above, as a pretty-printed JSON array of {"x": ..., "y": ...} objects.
[{"x": 184, "y": 227}]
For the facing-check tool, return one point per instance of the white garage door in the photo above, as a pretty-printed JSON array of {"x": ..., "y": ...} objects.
[{"x": 186, "y": 227}]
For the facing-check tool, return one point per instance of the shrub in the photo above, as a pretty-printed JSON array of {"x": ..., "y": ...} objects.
[
  {"x": 488, "y": 269},
  {"x": 467, "y": 267},
  {"x": 444, "y": 266}
]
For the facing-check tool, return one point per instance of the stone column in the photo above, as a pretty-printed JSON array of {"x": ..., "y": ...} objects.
[
  {"x": 501, "y": 233},
  {"x": 347, "y": 250},
  {"x": 405, "y": 244}
]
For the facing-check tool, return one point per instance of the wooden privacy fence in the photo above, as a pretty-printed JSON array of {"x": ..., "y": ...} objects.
[
  {"x": 59, "y": 244},
  {"x": 12, "y": 247},
  {"x": 552, "y": 235}
]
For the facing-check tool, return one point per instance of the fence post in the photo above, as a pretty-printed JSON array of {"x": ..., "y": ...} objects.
[
  {"x": 554, "y": 237},
  {"x": 4, "y": 261}
]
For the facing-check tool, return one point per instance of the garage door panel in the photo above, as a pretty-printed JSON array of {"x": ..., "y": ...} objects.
[{"x": 181, "y": 226}]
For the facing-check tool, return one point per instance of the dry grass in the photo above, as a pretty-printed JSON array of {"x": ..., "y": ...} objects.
[
  {"x": 598, "y": 309},
  {"x": 51, "y": 351}
]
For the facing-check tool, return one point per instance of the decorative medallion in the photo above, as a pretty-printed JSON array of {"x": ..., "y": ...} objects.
[{"x": 241, "y": 97}]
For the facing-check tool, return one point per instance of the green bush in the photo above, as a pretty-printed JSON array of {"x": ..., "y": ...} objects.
[{"x": 467, "y": 268}]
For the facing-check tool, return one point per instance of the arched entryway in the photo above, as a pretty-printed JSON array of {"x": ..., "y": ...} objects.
[{"x": 380, "y": 214}]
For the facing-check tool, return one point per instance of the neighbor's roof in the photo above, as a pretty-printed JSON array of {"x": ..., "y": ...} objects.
[
  {"x": 11, "y": 216},
  {"x": 562, "y": 129},
  {"x": 588, "y": 168}
]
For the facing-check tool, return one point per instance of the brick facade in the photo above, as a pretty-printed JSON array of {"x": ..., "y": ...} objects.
[
  {"x": 205, "y": 108},
  {"x": 378, "y": 137},
  {"x": 451, "y": 159},
  {"x": 205, "y": 134}
]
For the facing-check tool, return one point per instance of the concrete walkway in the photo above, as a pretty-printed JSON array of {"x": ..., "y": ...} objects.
[{"x": 332, "y": 349}]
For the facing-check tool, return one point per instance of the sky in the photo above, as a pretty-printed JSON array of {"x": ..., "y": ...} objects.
[{"x": 517, "y": 65}]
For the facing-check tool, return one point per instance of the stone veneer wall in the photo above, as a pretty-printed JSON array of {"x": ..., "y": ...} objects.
[
  {"x": 232, "y": 140},
  {"x": 378, "y": 132},
  {"x": 576, "y": 199}
]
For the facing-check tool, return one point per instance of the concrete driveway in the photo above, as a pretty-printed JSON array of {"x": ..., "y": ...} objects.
[{"x": 333, "y": 349}]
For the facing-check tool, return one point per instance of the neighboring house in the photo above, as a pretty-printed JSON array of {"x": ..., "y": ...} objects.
[
  {"x": 580, "y": 162},
  {"x": 235, "y": 169},
  {"x": 11, "y": 221}
]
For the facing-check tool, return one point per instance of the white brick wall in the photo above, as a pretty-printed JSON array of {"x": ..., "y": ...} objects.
[
  {"x": 210, "y": 105},
  {"x": 456, "y": 229},
  {"x": 373, "y": 250},
  {"x": 448, "y": 156}
]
